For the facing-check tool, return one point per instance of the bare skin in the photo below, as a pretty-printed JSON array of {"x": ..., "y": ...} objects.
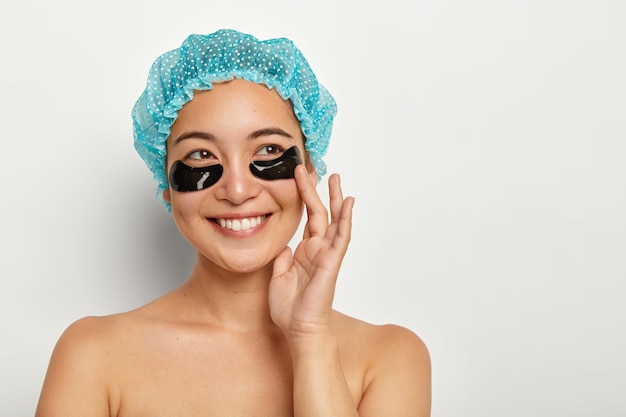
[{"x": 252, "y": 332}]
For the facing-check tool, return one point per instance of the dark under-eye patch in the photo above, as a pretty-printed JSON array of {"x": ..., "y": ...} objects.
[
  {"x": 282, "y": 167},
  {"x": 185, "y": 178}
]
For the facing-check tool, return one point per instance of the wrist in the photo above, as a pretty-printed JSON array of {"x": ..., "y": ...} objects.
[{"x": 317, "y": 344}]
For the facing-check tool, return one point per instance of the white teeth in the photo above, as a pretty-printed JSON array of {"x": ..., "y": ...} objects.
[{"x": 238, "y": 225}]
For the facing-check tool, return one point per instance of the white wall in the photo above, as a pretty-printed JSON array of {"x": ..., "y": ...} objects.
[{"x": 484, "y": 142}]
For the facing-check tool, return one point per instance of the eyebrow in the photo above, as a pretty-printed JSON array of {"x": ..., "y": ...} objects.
[
  {"x": 194, "y": 134},
  {"x": 268, "y": 131}
]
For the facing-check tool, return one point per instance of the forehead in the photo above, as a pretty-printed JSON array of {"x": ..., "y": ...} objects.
[{"x": 237, "y": 101}]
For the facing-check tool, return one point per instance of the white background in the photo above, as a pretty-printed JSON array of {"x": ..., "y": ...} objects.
[{"x": 484, "y": 142}]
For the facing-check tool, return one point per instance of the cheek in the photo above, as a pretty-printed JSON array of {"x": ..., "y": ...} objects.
[
  {"x": 287, "y": 195},
  {"x": 186, "y": 204}
]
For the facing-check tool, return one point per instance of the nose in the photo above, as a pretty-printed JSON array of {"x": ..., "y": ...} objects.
[{"x": 237, "y": 184}]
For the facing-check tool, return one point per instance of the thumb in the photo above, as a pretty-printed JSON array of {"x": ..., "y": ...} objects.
[{"x": 283, "y": 262}]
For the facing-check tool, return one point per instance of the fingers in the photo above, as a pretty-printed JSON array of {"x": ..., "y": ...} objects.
[
  {"x": 336, "y": 197},
  {"x": 317, "y": 222},
  {"x": 342, "y": 225},
  {"x": 340, "y": 210}
]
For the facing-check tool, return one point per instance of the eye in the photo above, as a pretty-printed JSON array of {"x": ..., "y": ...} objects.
[
  {"x": 270, "y": 150},
  {"x": 200, "y": 155}
]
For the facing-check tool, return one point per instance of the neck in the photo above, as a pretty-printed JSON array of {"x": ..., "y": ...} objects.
[{"x": 234, "y": 300}]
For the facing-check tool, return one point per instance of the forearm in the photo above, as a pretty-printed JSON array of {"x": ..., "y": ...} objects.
[{"x": 320, "y": 388}]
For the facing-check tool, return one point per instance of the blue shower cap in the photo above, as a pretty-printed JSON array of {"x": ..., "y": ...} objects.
[{"x": 222, "y": 56}]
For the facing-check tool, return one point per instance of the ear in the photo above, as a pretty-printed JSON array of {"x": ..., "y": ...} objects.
[{"x": 166, "y": 196}]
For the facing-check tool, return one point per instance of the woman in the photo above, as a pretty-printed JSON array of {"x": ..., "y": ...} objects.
[{"x": 234, "y": 129}]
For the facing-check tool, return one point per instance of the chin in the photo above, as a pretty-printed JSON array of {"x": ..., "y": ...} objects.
[
  {"x": 246, "y": 270},
  {"x": 242, "y": 263}
]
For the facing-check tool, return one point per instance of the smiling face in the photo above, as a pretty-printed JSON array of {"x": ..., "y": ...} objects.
[{"x": 241, "y": 222}]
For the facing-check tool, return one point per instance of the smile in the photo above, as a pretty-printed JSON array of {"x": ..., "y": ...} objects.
[{"x": 240, "y": 225}]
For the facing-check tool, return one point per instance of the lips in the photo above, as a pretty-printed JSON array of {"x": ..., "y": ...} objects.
[{"x": 240, "y": 225}]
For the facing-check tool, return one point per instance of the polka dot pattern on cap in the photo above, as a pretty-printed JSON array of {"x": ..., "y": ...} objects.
[{"x": 221, "y": 56}]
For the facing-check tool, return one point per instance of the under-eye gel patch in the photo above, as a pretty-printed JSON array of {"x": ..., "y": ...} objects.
[
  {"x": 282, "y": 167},
  {"x": 185, "y": 178}
]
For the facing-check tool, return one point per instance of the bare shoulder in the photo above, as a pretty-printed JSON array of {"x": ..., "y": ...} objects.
[
  {"x": 76, "y": 380},
  {"x": 79, "y": 379},
  {"x": 396, "y": 367},
  {"x": 377, "y": 340},
  {"x": 83, "y": 343},
  {"x": 92, "y": 337},
  {"x": 88, "y": 330},
  {"x": 99, "y": 339}
]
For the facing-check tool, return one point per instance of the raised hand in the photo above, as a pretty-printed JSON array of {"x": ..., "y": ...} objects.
[{"x": 303, "y": 283}]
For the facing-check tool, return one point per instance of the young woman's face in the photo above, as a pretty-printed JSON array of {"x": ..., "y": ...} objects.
[{"x": 241, "y": 222}]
